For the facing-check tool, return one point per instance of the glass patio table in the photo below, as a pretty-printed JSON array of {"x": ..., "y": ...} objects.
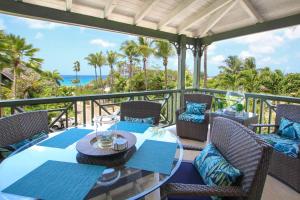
[{"x": 130, "y": 183}]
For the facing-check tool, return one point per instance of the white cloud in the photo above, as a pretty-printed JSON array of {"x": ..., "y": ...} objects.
[
  {"x": 262, "y": 43},
  {"x": 292, "y": 32},
  {"x": 102, "y": 43},
  {"x": 217, "y": 60},
  {"x": 211, "y": 49},
  {"x": 38, "y": 24},
  {"x": 132, "y": 37},
  {"x": 39, "y": 35},
  {"x": 245, "y": 54},
  {"x": 2, "y": 25},
  {"x": 82, "y": 29}
]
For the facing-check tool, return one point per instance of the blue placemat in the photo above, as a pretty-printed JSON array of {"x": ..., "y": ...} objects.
[
  {"x": 154, "y": 156},
  {"x": 57, "y": 180},
  {"x": 66, "y": 138},
  {"x": 130, "y": 126}
]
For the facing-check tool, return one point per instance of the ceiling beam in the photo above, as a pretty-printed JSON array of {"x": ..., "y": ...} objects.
[
  {"x": 55, "y": 15},
  {"x": 109, "y": 7},
  {"x": 215, "y": 18},
  {"x": 179, "y": 10},
  {"x": 198, "y": 16},
  {"x": 145, "y": 10},
  {"x": 68, "y": 5},
  {"x": 256, "y": 28},
  {"x": 248, "y": 7}
]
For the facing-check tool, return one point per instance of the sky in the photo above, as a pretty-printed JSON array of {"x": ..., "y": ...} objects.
[{"x": 61, "y": 45}]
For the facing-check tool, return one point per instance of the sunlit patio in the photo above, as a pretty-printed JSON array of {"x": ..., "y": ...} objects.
[{"x": 264, "y": 172}]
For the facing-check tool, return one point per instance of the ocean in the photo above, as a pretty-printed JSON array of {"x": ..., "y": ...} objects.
[{"x": 84, "y": 79}]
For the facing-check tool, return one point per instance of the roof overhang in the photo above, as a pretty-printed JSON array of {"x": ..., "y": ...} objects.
[{"x": 203, "y": 20}]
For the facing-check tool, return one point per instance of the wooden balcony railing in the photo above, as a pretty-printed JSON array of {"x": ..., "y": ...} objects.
[{"x": 82, "y": 109}]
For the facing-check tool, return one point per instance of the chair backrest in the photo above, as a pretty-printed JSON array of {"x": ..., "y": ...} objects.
[
  {"x": 140, "y": 109},
  {"x": 288, "y": 111},
  {"x": 245, "y": 151},
  {"x": 199, "y": 98},
  {"x": 18, "y": 127}
]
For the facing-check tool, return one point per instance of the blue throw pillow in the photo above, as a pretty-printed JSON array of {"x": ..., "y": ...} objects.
[
  {"x": 282, "y": 144},
  {"x": 214, "y": 169},
  {"x": 191, "y": 118},
  {"x": 289, "y": 129},
  {"x": 195, "y": 108},
  {"x": 147, "y": 120}
]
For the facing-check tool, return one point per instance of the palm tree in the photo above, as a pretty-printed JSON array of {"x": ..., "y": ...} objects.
[
  {"x": 92, "y": 60},
  {"x": 121, "y": 65},
  {"x": 271, "y": 81},
  {"x": 22, "y": 56},
  {"x": 54, "y": 77},
  {"x": 112, "y": 59},
  {"x": 145, "y": 51},
  {"x": 100, "y": 61},
  {"x": 230, "y": 71},
  {"x": 249, "y": 63},
  {"x": 76, "y": 69},
  {"x": 130, "y": 50},
  {"x": 164, "y": 49}
]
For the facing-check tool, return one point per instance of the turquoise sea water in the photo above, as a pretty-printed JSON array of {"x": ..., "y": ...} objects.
[{"x": 84, "y": 79}]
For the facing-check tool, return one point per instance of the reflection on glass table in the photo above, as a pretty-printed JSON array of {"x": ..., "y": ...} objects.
[{"x": 116, "y": 183}]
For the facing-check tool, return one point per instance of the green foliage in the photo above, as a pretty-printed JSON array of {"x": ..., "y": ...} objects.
[
  {"x": 239, "y": 107},
  {"x": 238, "y": 73},
  {"x": 127, "y": 73},
  {"x": 20, "y": 56},
  {"x": 220, "y": 104}
]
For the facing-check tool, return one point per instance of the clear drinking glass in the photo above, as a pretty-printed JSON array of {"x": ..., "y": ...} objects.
[
  {"x": 105, "y": 137},
  {"x": 233, "y": 98}
]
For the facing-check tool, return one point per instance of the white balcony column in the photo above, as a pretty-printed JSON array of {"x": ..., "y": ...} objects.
[
  {"x": 197, "y": 53},
  {"x": 181, "y": 52}
]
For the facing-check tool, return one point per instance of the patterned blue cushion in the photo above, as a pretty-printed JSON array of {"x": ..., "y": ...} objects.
[
  {"x": 289, "y": 129},
  {"x": 195, "y": 108},
  {"x": 191, "y": 118},
  {"x": 147, "y": 120},
  {"x": 283, "y": 145},
  {"x": 214, "y": 169}
]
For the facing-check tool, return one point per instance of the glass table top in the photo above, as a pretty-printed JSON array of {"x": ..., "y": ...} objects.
[
  {"x": 243, "y": 115},
  {"x": 127, "y": 183}
]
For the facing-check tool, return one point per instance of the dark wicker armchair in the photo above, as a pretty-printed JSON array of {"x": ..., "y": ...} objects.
[
  {"x": 243, "y": 149},
  {"x": 190, "y": 130},
  {"x": 283, "y": 167},
  {"x": 19, "y": 127},
  {"x": 140, "y": 109}
]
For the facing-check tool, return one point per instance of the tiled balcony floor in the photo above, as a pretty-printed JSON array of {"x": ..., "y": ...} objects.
[{"x": 273, "y": 190}]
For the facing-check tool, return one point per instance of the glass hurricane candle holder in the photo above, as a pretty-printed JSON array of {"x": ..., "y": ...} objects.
[{"x": 105, "y": 137}]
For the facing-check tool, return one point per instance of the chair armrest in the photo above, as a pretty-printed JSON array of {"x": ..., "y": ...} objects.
[
  {"x": 201, "y": 190},
  {"x": 179, "y": 111},
  {"x": 254, "y": 126},
  {"x": 191, "y": 147},
  {"x": 29, "y": 144}
]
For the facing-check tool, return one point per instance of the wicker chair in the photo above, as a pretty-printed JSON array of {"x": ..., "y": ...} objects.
[
  {"x": 192, "y": 130},
  {"x": 140, "y": 109},
  {"x": 19, "y": 127},
  {"x": 243, "y": 149},
  {"x": 283, "y": 167}
]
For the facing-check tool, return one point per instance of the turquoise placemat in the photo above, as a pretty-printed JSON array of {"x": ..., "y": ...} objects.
[
  {"x": 55, "y": 180},
  {"x": 66, "y": 138},
  {"x": 154, "y": 156},
  {"x": 130, "y": 126}
]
